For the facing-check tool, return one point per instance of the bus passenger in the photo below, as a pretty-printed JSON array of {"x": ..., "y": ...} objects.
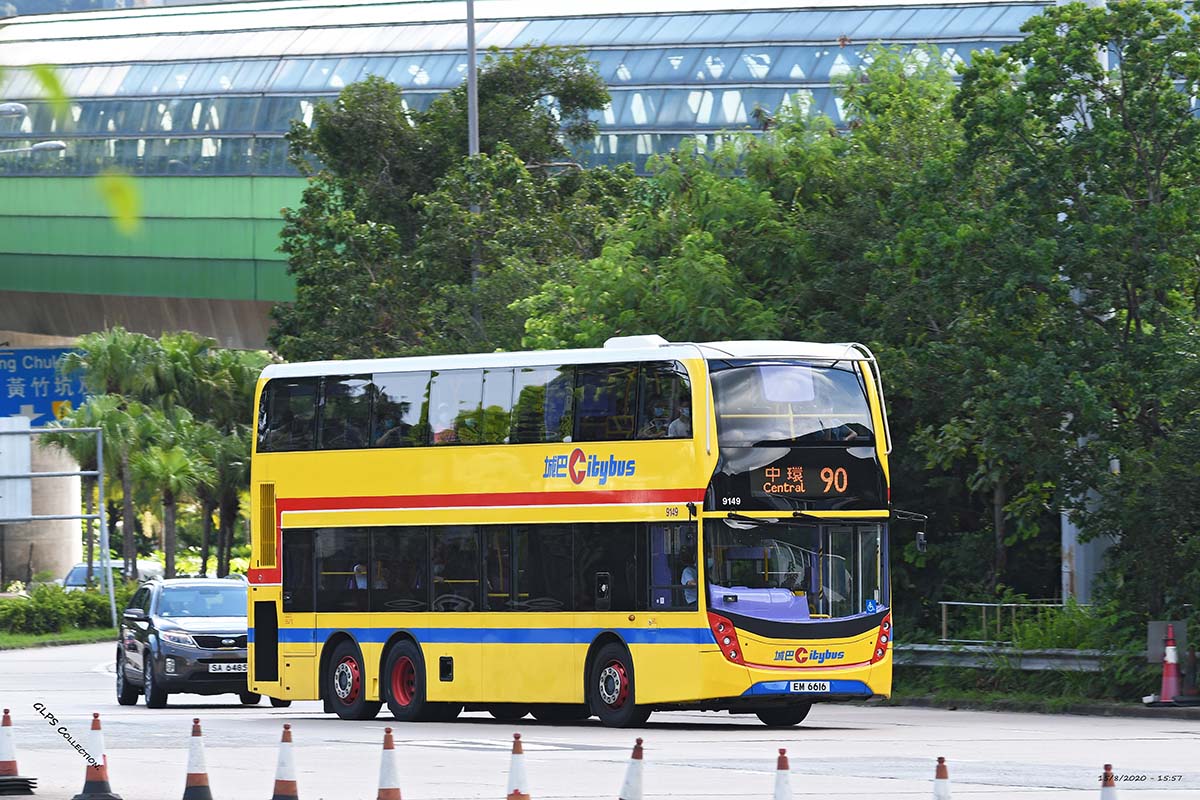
[
  {"x": 689, "y": 576},
  {"x": 681, "y": 426},
  {"x": 359, "y": 579},
  {"x": 656, "y": 426}
]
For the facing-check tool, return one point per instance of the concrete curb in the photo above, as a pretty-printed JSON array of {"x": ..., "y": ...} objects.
[{"x": 1090, "y": 709}]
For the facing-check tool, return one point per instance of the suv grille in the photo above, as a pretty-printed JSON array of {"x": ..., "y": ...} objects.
[{"x": 209, "y": 642}]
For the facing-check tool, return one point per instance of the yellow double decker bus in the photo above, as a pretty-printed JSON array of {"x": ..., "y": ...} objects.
[{"x": 611, "y": 531}]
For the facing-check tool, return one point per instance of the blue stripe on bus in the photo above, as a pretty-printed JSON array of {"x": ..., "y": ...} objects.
[
  {"x": 784, "y": 687},
  {"x": 500, "y": 635}
]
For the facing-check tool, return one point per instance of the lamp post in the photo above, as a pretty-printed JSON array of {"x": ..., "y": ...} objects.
[
  {"x": 38, "y": 147},
  {"x": 472, "y": 90},
  {"x": 13, "y": 110},
  {"x": 472, "y": 151}
]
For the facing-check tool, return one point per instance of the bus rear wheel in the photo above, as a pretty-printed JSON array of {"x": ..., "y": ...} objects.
[
  {"x": 347, "y": 686},
  {"x": 610, "y": 689},
  {"x": 404, "y": 687},
  {"x": 784, "y": 716}
]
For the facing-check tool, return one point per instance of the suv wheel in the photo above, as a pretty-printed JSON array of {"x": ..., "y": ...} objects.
[
  {"x": 156, "y": 696},
  {"x": 249, "y": 698},
  {"x": 277, "y": 702},
  {"x": 127, "y": 694}
]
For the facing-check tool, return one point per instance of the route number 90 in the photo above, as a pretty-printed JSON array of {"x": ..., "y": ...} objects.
[{"x": 834, "y": 479}]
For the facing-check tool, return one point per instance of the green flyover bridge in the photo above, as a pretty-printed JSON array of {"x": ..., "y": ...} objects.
[{"x": 204, "y": 258}]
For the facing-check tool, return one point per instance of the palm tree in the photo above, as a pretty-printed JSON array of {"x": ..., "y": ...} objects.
[
  {"x": 104, "y": 412},
  {"x": 231, "y": 408},
  {"x": 118, "y": 363},
  {"x": 174, "y": 474},
  {"x": 204, "y": 442},
  {"x": 233, "y": 478},
  {"x": 182, "y": 373}
]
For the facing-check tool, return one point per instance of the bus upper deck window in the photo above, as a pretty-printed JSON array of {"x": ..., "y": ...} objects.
[
  {"x": 665, "y": 401},
  {"x": 290, "y": 421}
]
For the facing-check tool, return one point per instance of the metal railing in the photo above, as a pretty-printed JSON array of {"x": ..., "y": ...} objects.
[
  {"x": 996, "y": 619},
  {"x": 106, "y": 581},
  {"x": 991, "y": 657}
]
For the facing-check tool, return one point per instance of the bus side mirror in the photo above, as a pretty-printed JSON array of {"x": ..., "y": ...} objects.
[{"x": 922, "y": 545}]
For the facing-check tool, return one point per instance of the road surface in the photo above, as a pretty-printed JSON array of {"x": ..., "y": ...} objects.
[{"x": 841, "y": 751}]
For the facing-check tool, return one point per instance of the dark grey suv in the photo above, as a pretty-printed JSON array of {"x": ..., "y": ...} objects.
[{"x": 186, "y": 635}]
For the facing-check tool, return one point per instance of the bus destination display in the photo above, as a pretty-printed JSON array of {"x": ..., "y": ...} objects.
[{"x": 799, "y": 480}]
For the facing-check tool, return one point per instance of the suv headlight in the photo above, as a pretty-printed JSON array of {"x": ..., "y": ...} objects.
[{"x": 178, "y": 637}]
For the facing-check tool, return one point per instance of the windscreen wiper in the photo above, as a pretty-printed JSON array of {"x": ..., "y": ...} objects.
[{"x": 736, "y": 517}]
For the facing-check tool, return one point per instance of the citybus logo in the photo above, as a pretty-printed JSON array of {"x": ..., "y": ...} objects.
[
  {"x": 802, "y": 655},
  {"x": 578, "y": 465}
]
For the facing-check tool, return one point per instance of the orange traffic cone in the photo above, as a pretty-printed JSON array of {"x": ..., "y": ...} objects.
[
  {"x": 1108, "y": 786},
  {"x": 1170, "y": 676},
  {"x": 196, "y": 786},
  {"x": 11, "y": 781},
  {"x": 941, "y": 781},
  {"x": 95, "y": 778},
  {"x": 389, "y": 784},
  {"x": 517, "y": 782},
  {"x": 631, "y": 789},
  {"x": 285, "y": 769},
  {"x": 783, "y": 777}
]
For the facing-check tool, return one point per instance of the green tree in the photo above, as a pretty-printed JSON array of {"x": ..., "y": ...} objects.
[
  {"x": 702, "y": 254},
  {"x": 104, "y": 412},
  {"x": 1101, "y": 162},
  {"x": 529, "y": 228},
  {"x": 175, "y": 473},
  {"x": 118, "y": 362},
  {"x": 352, "y": 245}
]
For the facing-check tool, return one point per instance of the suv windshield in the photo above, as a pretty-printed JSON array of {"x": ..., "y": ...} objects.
[
  {"x": 203, "y": 601},
  {"x": 833, "y": 569},
  {"x": 789, "y": 403}
]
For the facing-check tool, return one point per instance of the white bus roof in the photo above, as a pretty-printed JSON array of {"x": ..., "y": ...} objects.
[{"x": 620, "y": 349}]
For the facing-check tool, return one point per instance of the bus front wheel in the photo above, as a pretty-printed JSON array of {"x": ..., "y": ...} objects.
[
  {"x": 347, "y": 686},
  {"x": 784, "y": 716},
  {"x": 610, "y": 689}
]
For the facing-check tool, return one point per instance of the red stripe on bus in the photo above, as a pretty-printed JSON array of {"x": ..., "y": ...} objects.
[
  {"x": 491, "y": 499},
  {"x": 475, "y": 500}
]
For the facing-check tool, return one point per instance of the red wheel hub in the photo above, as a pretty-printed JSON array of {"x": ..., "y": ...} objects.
[
  {"x": 614, "y": 684},
  {"x": 404, "y": 681},
  {"x": 347, "y": 680}
]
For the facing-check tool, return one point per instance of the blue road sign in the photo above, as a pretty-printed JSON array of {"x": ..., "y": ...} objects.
[{"x": 31, "y": 386}]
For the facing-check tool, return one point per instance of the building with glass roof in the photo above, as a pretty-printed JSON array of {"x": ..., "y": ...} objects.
[{"x": 197, "y": 98}]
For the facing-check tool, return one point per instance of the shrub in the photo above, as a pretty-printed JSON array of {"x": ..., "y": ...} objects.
[{"x": 50, "y": 609}]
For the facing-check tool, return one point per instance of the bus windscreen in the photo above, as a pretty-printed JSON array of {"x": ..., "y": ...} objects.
[{"x": 786, "y": 404}]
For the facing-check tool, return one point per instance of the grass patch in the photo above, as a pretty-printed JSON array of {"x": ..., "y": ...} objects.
[
  {"x": 16, "y": 641},
  {"x": 996, "y": 700}
]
